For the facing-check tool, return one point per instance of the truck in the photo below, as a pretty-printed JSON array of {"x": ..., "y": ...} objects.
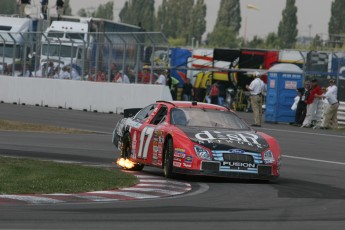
[
  {"x": 87, "y": 43},
  {"x": 17, "y": 36}
]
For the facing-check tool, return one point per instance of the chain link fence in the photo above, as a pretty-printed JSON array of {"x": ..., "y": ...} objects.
[{"x": 92, "y": 56}]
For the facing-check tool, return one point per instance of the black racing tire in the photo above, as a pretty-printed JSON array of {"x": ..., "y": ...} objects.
[
  {"x": 126, "y": 152},
  {"x": 168, "y": 159}
]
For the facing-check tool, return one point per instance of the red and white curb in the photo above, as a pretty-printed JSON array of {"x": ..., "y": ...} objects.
[{"x": 149, "y": 187}]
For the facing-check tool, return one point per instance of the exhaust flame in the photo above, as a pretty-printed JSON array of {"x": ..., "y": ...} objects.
[{"x": 125, "y": 163}]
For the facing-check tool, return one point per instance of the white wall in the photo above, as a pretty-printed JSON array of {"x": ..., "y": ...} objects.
[{"x": 80, "y": 95}]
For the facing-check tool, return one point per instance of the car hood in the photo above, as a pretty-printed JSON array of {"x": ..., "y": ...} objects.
[{"x": 224, "y": 139}]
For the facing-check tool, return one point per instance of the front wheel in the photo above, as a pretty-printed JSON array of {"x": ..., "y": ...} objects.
[
  {"x": 168, "y": 159},
  {"x": 126, "y": 150}
]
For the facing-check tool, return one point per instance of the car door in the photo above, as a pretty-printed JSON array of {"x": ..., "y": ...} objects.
[{"x": 149, "y": 137}]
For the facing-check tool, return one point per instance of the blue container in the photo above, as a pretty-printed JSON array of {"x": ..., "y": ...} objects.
[{"x": 281, "y": 91}]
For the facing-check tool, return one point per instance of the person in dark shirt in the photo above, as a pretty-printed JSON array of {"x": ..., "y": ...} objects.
[
  {"x": 188, "y": 92},
  {"x": 44, "y": 8},
  {"x": 301, "y": 110}
]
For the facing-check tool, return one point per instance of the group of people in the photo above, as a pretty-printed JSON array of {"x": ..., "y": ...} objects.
[
  {"x": 313, "y": 104},
  {"x": 44, "y": 7}
]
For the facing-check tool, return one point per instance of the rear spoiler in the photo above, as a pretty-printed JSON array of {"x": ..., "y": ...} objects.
[{"x": 130, "y": 112}]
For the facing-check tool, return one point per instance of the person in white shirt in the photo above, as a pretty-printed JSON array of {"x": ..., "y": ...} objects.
[
  {"x": 161, "y": 79},
  {"x": 256, "y": 89},
  {"x": 65, "y": 73},
  {"x": 330, "y": 114},
  {"x": 123, "y": 78}
]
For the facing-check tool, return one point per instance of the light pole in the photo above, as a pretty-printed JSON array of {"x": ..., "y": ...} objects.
[{"x": 249, "y": 7}]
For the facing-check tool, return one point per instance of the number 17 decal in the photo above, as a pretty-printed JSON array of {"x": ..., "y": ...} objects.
[{"x": 143, "y": 149}]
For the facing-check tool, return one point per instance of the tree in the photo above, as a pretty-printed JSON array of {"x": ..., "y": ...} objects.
[
  {"x": 272, "y": 41},
  {"x": 105, "y": 11},
  {"x": 197, "y": 26},
  {"x": 287, "y": 30},
  {"x": 227, "y": 26},
  {"x": 8, "y": 7},
  {"x": 141, "y": 13},
  {"x": 182, "y": 19},
  {"x": 336, "y": 25},
  {"x": 256, "y": 42}
]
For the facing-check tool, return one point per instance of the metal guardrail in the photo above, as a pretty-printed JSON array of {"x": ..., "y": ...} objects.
[{"x": 341, "y": 114}]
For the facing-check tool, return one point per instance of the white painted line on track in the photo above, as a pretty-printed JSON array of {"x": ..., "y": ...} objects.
[
  {"x": 31, "y": 199},
  {"x": 301, "y": 132},
  {"x": 127, "y": 194},
  {"x": 165, "y": 191},
  {"x": 316, "y": 160}
]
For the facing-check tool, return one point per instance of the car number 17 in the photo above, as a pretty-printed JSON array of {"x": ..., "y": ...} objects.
[{"x": 144, "y": 144}]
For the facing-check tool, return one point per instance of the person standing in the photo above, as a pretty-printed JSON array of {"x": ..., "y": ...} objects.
[
  {"x": 330, "y": 114},
  {"x": 187, "y": 90},
  {"x": 161, "y": 79},
  {"x": 44, "y": 8},
  {"x": 301, "y": 110},
  {"x": 59, "y": 8},
  {"x": 312, "y": 104},
  {"x": 214, "y": 92},
  {"x": 256, "y": 88}
]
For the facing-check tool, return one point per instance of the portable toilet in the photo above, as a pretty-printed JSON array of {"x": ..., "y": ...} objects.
[{"x": 282, "y": 82}]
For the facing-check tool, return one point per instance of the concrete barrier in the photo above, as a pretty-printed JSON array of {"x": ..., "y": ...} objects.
[{"x": 80, "y": 95}]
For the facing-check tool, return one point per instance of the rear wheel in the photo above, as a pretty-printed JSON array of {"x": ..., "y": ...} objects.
[
  {"x": 168, "y": 159},
  {"x": 126, "y": 150}
]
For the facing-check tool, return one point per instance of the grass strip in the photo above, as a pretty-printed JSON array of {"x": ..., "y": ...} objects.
[
  {"x": 6, "y": 125},
  {"x": 23, "y": 176}
]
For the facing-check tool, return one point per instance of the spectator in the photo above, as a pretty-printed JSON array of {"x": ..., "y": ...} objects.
[
  {"x": 214, "y": 92},
  {"x": 59, "y": 8},
  {"x": 188, "y": 92},
  {"x": 256, "y": 88},
  {"x": 23, "y": 4},
  {"x": 123, "y": 78},
  {"x": 50, "y": 70},
  {"x": 114, "y": 72},
  {"x": 161, "y": 79},
  {"x": 330, "y": 113},
  {"x": 301, "y": 109},
  {"x": 44, "y": 8},
  {"x": 146, "y": 77},
  {"x": 100, "y": 77},
  {"x": 65, "y": 74},
  {"x": 172, "y": 83},
  {"x": 312, "y": 104}
]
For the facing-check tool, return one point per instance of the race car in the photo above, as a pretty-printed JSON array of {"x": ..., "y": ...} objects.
[{"x": 195, "y": 138}]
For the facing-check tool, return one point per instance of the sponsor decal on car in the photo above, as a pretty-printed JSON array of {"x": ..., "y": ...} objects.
[
  {"x": 180, "y": 153},
  {"x": 188, "y": 159},
  {"x": 177, "y": 164},
  {"x": 239, "y": 164},
  {"x": 249, "y": 139},
  {"x": 187, "y": 165}
]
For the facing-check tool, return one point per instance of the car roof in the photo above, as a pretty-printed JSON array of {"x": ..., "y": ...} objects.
[{"x": 194, "y": 104}]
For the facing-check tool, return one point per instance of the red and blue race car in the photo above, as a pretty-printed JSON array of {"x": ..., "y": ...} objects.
[{"x": 195, "y": 138}]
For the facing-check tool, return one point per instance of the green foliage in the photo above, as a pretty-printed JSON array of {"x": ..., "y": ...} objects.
[
  {"x": 182, "y": 18},
  {"x": 287, "y": 30},
  {"x": 336, "y": 25},
  {"x": 224, "y": 37},
  {"x": 227, "y": 25},
  {"x": 22, "y": 176},
  {"x": 105, "y": 11},
  {"x": 229, "y": 15},
  {"x": 272, "y": 41},
  {"x": 256, "y": 42},
  {"x": 8, "y": 7},
  {"x": 140, "y": 13},
  {"x": 176, "y": 42}
]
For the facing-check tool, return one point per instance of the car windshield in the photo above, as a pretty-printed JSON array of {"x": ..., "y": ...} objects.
[{"x": 206, "y": 118}]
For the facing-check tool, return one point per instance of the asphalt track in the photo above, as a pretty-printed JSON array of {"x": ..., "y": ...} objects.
[{"x": 309, "y": 195}]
